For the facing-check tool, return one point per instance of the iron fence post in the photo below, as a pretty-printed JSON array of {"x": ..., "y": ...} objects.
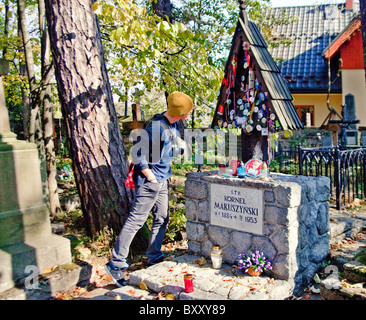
[
  {"x": 363, "y": 184},
  {"x": 337, "y": 177},
  {"x": 300, "y": 160}
]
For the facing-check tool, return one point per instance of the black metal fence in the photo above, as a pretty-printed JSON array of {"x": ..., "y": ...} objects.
[{"x": 345, "y": 168}]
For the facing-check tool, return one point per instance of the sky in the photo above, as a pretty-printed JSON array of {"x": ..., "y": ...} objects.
[{"x": 290, "y": 3}]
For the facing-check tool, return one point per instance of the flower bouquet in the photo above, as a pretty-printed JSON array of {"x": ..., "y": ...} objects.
[{"x": 254, "y": 263}]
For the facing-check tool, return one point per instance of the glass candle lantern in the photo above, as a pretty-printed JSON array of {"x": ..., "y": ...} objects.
[
  {"x": 216, "y": 256},
  {"x": 188, "y": 283},
  {"x": 241, "y": 170}
]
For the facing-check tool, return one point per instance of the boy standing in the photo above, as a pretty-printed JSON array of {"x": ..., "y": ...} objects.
[{"x": 151, "y": 182}]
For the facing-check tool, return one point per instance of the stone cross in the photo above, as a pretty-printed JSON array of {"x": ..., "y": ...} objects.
[{"x": 4, "y": 115}]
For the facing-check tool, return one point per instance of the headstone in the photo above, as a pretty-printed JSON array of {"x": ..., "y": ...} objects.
[
  {"x": 349, "y": 114},
  {"x": 291, "y": 226},
  {"x": 27, "y": 245},
  {"x": 237, "y": 208}
]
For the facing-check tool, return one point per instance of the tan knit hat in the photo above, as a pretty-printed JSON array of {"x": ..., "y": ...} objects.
[{"x": 179, "y": 104}]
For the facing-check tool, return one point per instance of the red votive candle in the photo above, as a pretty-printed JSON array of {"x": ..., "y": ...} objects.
[
  {"x": 222, "y": 168},
  {"x": 234, "y": 166},
  {"x": 188, "y": 283}
]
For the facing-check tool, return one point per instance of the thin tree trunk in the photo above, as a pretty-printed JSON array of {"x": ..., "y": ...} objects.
[
  {"x": 25, "y": 112},
  {"x": 6, "y": 25},
  {"x": 96, "y": 146},
  {"x": 45, "y": 99},
  {"x": 35, "y": 130},
  {"x": 26, "y": 108}
]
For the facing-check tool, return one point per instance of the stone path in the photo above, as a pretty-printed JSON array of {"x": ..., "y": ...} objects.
[{"x": 227, "y": 283}]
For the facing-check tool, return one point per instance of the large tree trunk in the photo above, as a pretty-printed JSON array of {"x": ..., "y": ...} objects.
[{"x": 96, "y": 146}]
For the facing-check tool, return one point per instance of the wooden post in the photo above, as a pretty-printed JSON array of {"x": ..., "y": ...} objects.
[{"x": 136, "y": 112}]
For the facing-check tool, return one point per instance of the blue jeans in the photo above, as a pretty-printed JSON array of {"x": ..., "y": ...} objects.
[{"x": 148, "y": 197}]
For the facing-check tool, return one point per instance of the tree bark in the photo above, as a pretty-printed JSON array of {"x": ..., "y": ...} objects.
[
  {"x": 26, "y": 107},
  {"x": 6, "y": 25},
  {"x": 163, "y": 9},
  {"x": 35, "y": 129},
  {"x": 96, "y": 146},
  {"x": 45, "y": 100}
]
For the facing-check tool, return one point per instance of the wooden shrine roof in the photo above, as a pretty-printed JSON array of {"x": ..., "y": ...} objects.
[
  {"x": 267, "y": 72},
  {"x": 280, "y": 95}
]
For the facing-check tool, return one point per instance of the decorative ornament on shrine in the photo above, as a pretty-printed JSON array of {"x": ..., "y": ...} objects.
[{"x": 253, "y": 95}]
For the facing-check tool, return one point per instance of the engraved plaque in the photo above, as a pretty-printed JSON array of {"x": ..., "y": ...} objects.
[{"x": 237, "y": 208}]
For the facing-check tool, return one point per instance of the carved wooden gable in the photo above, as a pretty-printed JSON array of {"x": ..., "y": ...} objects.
[{"x": 253, "y": 95}]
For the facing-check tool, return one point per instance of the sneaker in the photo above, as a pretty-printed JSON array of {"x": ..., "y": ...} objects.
[
  {"x": 117, "y": 274},
  {"x": 156, "y": 261}
]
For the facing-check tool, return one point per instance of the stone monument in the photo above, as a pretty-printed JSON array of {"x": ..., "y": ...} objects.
[
  {"x": 26, "y": 239},
  {"x": 286, "y": 217}
]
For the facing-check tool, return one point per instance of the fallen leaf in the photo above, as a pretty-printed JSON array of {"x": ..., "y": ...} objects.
[
  {"x": 169, "y": 296},
  {"x": 143, "y": 286},
  {"x": 131, "y": 292},
  {"x": 48, "y": 270},
  {"x": 307, "y": 296},
  {"x": 202, "y": 261}
]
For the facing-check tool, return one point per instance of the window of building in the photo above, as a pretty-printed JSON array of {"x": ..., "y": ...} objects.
[{"x": 306, "y": 115}]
